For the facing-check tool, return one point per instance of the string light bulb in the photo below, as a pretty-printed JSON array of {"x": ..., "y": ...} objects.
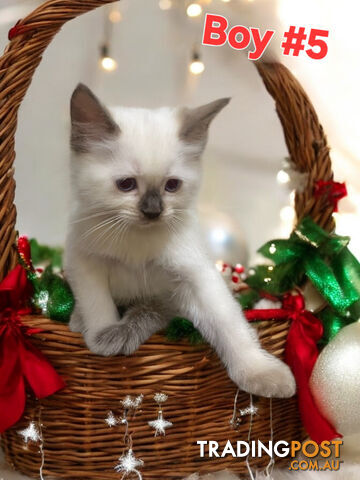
[
  {"x": 115, "y": 16},
  {"x": 196, "y": 66},
  {"x": 194, "y": 10},
  {"x": 165, "y": 4},
  {"x": 282, "y": 176},
  {"x": 287, "y": 214},
  {"x": 107, "y": 63}
]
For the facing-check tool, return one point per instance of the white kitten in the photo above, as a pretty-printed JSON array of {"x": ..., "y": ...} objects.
[{"x": 133, "y": 239}]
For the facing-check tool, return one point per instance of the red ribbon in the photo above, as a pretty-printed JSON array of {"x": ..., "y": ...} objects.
[
  {"x": 18, "y": 29},
  {"x": 301, "y": 354},
  {"x": 334, "y": 191},
  {"x": 20, "y": 362}
]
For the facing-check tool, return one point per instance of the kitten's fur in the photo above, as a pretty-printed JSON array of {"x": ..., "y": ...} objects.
[{"x": 115, "y": 255}]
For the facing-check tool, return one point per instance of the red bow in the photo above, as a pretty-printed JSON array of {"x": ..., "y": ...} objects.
[
  {"x": 301, "y": 354},
  {"x": 334, "y": 191},
  {"x": 20, "y": 361}
]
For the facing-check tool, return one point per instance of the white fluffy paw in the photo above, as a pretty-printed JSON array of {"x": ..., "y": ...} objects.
[
  {"x": 266, "y": 376},
  {"x": 113, "y": 340}
]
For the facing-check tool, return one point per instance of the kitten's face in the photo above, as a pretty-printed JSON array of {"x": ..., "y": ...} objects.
[{"x": 140, "y": 165}]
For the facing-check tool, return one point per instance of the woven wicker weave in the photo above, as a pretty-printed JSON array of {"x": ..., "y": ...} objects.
[{"x": 78, "y": 444}]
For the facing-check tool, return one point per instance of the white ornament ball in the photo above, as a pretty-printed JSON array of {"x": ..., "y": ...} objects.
[
  {"x": 335, "y": 381},
  {"x": 223, "y": 236}
]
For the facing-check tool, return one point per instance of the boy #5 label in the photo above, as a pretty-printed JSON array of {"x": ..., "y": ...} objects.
[{"x": 239, "y": 37}]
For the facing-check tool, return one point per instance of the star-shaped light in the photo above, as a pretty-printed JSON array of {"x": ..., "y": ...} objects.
[
  {"x": 111, "y": 420},
  {"x": 160, "y": 425},
  {"x": 127, "y": 402},
  {"x": 251, "y": 410},
  {"x": 132, "y": 403},
  {"x": 128, "y": 463},
  {"x": 30, "y": 433},
  {"x": 160, "y": 398},
  {"x": 138, "y": 401}
]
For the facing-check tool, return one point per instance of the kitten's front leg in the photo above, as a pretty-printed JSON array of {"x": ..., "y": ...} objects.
[
  {"x": 137, "y": 325},
  {"x": 96, "y": 315},
  {"x": 204, "y": 298},
  {"x": 95, "y": 311}
]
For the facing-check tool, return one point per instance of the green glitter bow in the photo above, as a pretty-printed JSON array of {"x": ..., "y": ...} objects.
[{"x": 321, "y": 257}]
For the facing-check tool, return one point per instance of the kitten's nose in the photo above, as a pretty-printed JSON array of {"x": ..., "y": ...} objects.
[{"x": 151, "y": 204}]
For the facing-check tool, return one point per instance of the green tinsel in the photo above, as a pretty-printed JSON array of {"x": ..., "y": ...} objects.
[{"x": 181, "y": 328}]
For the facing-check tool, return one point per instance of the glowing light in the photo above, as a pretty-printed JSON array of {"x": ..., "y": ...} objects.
[
  {"x": 272, "y": 249},
  {"x": 218, "y": 235},
  {"x": 111, "y": 419},
  {"x": 196, "y": 67},
  {"x": 160, "y": 425},
  {"x": 115, "y": 16},
  {"x": 108, "y": 64},
  {"x": 282, "y": 177},
  {"x": 30, "y": 433},
  {"x": 219, "y": 265},
  {"x": 347, "y": 224},
  {"x": 165, "y": 4},
  {"x": 194, "y": 10},
  {"x": 287, "y": 214},
  {"x": 226, "y": 1}
]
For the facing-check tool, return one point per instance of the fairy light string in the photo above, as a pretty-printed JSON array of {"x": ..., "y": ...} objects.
[
  {"x": 34, "y": 433},
  {"x": 128, "y": 463},
  {"x": 249, "y": 439},
  {"x": 235, "y": 421},
  {"x": 160, "y": 424}
]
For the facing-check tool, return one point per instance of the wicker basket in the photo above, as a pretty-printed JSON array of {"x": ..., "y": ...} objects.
[{"x": 77, "y": 442}]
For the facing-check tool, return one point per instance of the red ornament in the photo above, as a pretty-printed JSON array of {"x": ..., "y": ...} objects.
[
  {"x": 301, "y": 355},
  {"x": 334, "y": 191},
  {"x": 239, "y": 268}
]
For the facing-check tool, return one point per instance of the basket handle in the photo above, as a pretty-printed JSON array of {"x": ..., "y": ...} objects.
[{"x": 304, "y": 135}]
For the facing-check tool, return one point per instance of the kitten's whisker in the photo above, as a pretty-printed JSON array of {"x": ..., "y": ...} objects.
[
  {"x": 94, "y": 215},
  {"x": 106, "y": 232},
  {"x": 111, "y": 231},
  {"x": 97, "y": 226}
]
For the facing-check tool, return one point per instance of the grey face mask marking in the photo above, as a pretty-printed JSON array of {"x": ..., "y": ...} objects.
[{"x": 151, "y": 204}]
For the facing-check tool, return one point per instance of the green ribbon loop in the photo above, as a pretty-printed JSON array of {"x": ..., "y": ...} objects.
[{"x": 322, "y": 257}]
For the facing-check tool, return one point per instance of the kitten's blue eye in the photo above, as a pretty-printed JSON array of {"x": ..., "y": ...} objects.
[
  {"x": 172, "y": 185},
  {"x": 126, "y": 184}
]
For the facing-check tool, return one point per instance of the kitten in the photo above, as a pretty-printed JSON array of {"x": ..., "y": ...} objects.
[{"x": 133, "y": 239}]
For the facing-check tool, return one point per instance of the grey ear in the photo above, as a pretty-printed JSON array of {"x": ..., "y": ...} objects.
[
  {"x": 195, "y": 122},
  {"x": 90, "y": 120}
]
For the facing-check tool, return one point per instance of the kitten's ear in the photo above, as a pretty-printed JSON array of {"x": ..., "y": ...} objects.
[
  {"x": 195, "y": 121},
  {"x": 90, "y": 120}
]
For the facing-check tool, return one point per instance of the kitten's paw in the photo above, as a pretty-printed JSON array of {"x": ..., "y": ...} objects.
[
  {"x": 267, "y": 377},
  {"x": 76, "y": 324},
  {"x": 113, "y": 340}
]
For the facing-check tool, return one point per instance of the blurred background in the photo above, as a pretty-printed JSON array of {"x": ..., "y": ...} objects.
[{"x": 149, "y": 54}]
